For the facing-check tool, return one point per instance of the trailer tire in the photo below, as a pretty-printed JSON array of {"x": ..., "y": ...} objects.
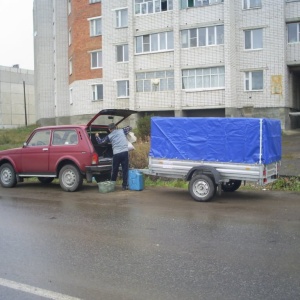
[
  {"x": 202, "y": 188},
  {"x": 231, "y": 186}
]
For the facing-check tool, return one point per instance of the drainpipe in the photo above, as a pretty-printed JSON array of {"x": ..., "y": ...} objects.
[{"x": 25, "y": 103}]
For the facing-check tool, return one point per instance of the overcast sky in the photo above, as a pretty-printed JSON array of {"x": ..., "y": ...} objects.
[{"x": 16, "y": 33}]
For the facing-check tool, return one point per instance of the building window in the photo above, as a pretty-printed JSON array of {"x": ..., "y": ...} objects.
[
  {"x": 205, "y": 78},
  {"x": 95, "y": 26},
  {"x": 253, "y": 39},
  {"x": 143, "y": 7},
  {"x": 247, "y": 4},
  {"x": 71, "y": 95},
  {"x": 204, "y": 36},
  {"x": 97, "y": 90},
  {"x": 122, "y": 18},
  {"x": 122, "y": 53},
  {"x": 123, "y": 88},
  {"x": 254, "y": 81},
  {"x": 70, "y": 66},
  {"x": 155, "y": 42},
  {"x": 155, "y": 81},
  {"x": 95, "y": 1},
  {"x": 96, "y": 60},
  {"x": 293, "y": 32},
  {"x": 70, "y": 37},
  {"x": 198, "y": 3},
  {"x": 69, "y": 6}
]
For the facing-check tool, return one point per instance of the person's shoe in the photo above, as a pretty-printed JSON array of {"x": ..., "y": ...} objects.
[{"x": 124, "y": 188}]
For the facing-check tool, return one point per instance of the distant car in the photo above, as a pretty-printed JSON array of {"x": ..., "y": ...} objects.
[{"x": 68, "y": 152}]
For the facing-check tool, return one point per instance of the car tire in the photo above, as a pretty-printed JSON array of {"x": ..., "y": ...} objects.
[
  {"x": 8, "y": 177},
  {"x": 70, "y": 178},
  {"x": 45, "y": 180}
]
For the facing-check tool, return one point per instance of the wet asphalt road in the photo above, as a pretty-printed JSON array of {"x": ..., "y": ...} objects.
[{"x": 154, "y": 244}]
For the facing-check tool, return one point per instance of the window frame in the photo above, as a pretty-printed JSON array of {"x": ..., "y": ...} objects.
[
  {"x": 69, "y": 7},
  {"x": 99, "y": 61},
  {"x": 70, "y": 66},
  {"x": 94, "y": 1},
  {"x": 95, "y": 92},
  {"x": 297, "y": 40},
  {"x": 125, "y": 53},
  {"x": 252, "y": 42},
  {"x": 93, "y": 26},
  {"x": 184, "y": 4},
  {"x": 119, "y": 18},
  {"x": 70, "y": 36},
  {"x": 147, "y": 41},
  {"x": 154, "y": 81},
  {"x": 198, "y": 77},
  {"x": 147, "y": 7},
  {"x": 71, "y": 96},
  {"x": 249, "y": 79},
  {"x": 120, "y": 95},
  {"x": 247, "y": 4},
  {"x": 186, "y": 33}
]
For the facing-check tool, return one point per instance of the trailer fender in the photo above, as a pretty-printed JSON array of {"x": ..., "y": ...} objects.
[{"x": 204, "y": 170}]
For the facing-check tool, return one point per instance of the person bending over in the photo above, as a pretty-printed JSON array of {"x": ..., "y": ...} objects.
[{"x": 118, "y": 140}]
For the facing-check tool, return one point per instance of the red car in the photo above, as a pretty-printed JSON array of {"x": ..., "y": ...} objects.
[{"x": 67, "y": 152}]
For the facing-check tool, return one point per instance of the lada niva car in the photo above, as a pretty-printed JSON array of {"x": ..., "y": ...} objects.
[{"x": 67, "y": 152}]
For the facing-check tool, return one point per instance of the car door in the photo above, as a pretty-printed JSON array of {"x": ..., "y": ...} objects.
[{"x": 35, "y": 154}]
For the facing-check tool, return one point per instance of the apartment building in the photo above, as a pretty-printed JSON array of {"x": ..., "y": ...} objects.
[
  {"x": 237, "y": 58},
  {"x": 17, "y": 101}
]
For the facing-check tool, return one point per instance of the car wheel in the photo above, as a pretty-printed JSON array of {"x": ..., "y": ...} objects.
[
  {"x": 8, "y": 176},
  {"x": 45, "y": 180},
  {"x": 70, "y": 178},
  {"x": 231, "y": 185},
  {"x": 201, "y": 188}
]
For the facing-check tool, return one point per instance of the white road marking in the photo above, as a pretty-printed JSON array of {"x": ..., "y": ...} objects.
[{"x": 34, "y": 290}]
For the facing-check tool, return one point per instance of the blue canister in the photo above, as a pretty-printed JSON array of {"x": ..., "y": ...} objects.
[{"x": 135, "y": 180}]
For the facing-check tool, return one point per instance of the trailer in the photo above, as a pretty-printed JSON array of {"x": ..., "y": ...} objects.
[{"x": 215, "y": 154}]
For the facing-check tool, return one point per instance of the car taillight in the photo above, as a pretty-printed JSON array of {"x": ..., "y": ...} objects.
[
  {"x": 264, "y": 176},
  {"x": 95, "y": 159}
]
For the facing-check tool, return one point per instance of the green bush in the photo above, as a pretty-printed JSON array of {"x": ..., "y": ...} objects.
[
  {"x": 286, "y": 184},
  {"x": 144, "y": 127}
]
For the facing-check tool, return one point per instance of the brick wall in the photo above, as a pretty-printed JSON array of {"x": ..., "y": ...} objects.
[{"x": 82, "y": 43}]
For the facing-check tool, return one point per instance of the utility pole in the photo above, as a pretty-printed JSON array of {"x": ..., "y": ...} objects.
[{"x": 25, "y": 103}]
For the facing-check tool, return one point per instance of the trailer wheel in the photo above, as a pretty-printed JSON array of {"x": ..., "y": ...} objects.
[
  {"x": 202, "y": 188},
  {"x": 231, "y": 185}
]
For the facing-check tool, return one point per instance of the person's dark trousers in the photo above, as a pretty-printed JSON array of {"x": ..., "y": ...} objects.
[{"x": 120, "y": 158}]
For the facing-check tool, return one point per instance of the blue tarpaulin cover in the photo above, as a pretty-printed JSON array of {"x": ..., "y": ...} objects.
[{"x": 237, "y": 140}]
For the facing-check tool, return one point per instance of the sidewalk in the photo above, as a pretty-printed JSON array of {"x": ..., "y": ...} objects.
[{"x": 290, "y": 163}]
